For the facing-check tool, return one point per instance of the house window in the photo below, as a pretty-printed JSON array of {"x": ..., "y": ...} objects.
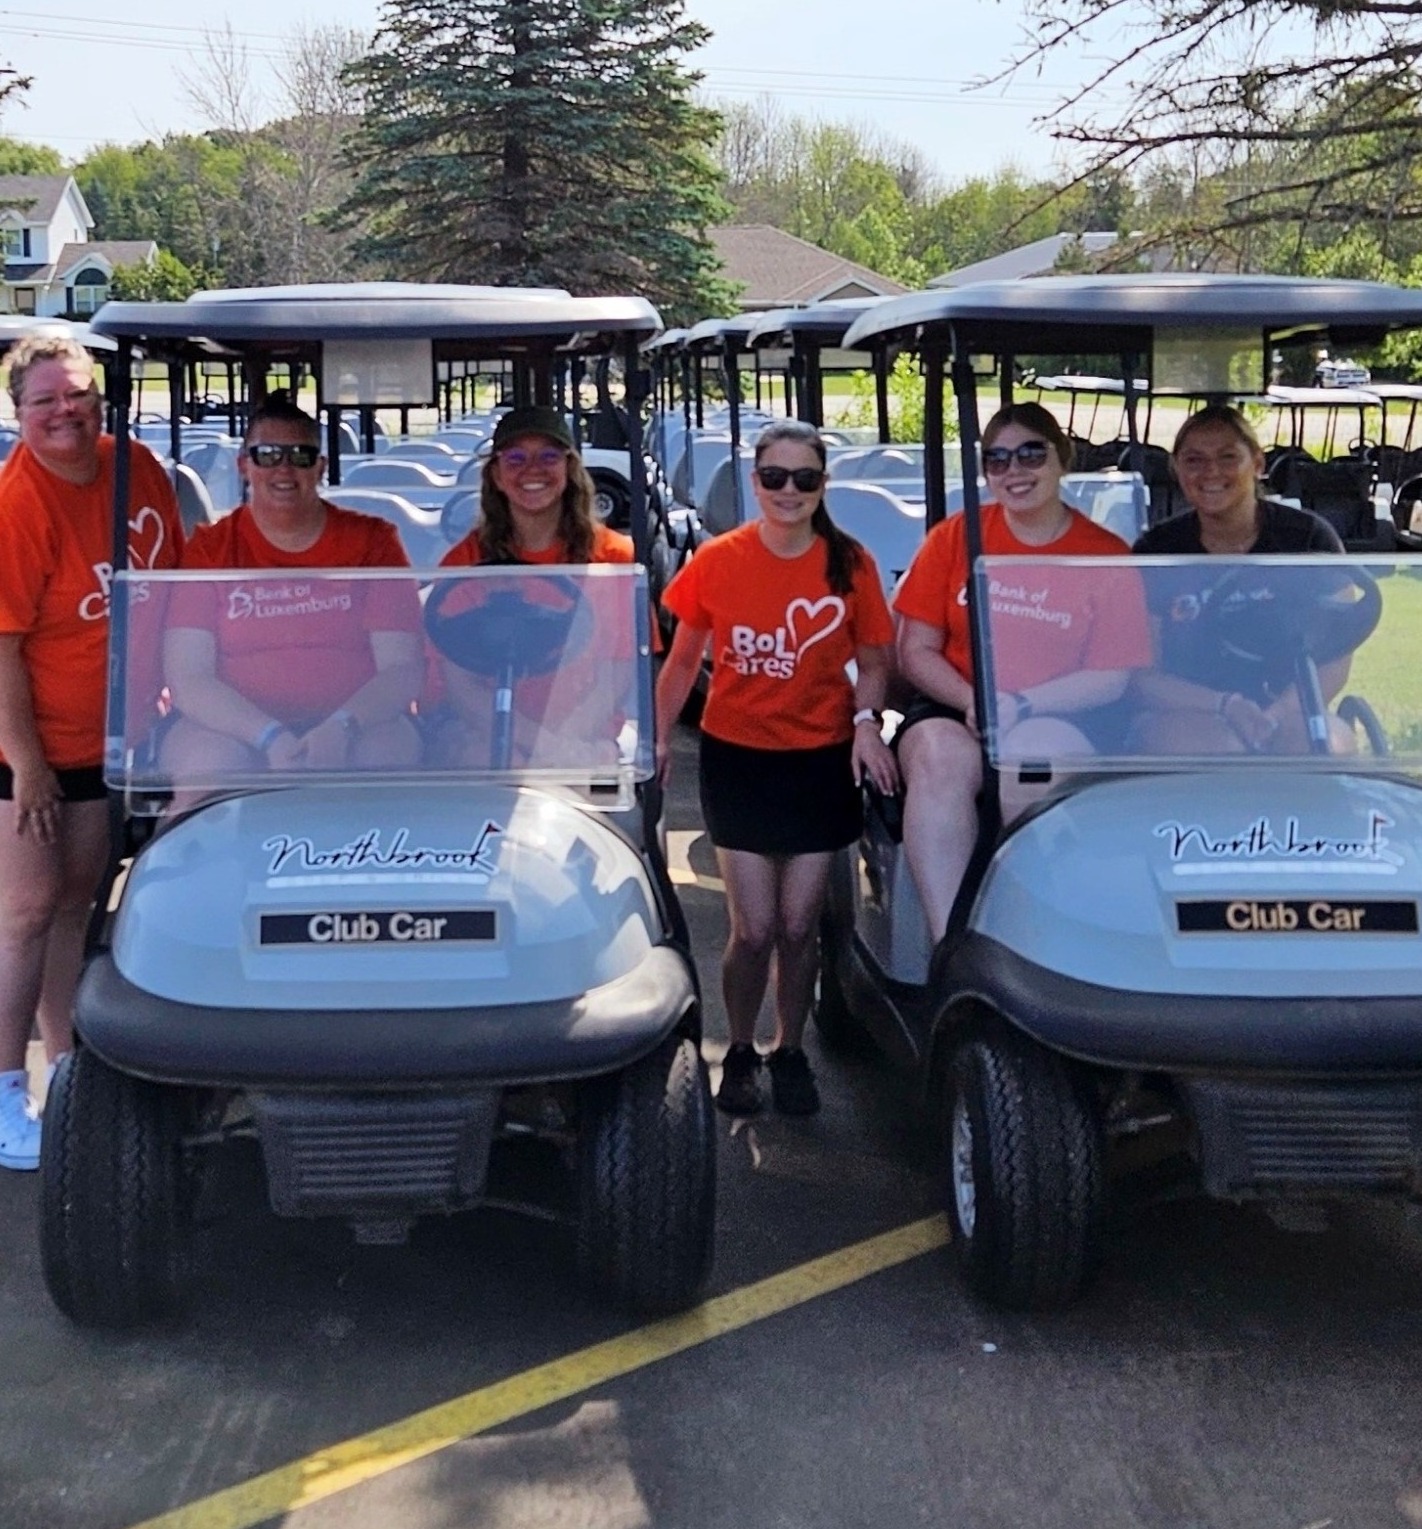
[
  {"x": 24, "y": 299},
  {"x": 91, "y": 290},
  {"x": 15, "y": 243}
]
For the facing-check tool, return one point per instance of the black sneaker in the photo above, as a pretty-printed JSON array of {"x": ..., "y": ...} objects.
[
  {"x": 792, "y": 1084},
  {"x": 739, "y": 1093}
]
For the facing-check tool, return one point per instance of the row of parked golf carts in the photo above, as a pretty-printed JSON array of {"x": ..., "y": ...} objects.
[{"x": 1206, "y": 964}]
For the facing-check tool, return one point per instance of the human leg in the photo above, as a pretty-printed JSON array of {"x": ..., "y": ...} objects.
[
  {"x": 84, "y": 850},
  {"x": 1037, "y": 738},
  {"x": 750, "y": 881},
  {"x": 942, "y": 771},
  {"x": 31, "y": 876},
  {"x": 800, "y": 898}
]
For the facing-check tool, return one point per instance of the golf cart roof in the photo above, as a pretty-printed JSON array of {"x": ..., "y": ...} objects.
[
  {"x": 15, "y": 326},
  {"x": 462, "y": 321},
  {"x": 711, "y": 334},
  {"x": 820, "y": 321},
  {"x": 669, "y": 339},
  {"x": 1321, "y": 398},
  {"x": 1117, "y": 314}
]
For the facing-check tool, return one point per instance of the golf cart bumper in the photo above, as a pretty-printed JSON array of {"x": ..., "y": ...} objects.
[
  {"x": 1356, "y": 1037},
  {"x": 599, "y": 1031}
]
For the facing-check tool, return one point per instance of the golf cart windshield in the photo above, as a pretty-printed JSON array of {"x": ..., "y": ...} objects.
[
  {"x": 239, "y": 680},
  {"x": 1128, "y": 663}
]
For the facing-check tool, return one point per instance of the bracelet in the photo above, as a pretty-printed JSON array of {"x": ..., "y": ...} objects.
[
  {"x": 1023, "y": 705},
  {"x": 867, "y": 714},
  {"x": 268, "y": 736},
  {"x": 1222, "y": 705}
]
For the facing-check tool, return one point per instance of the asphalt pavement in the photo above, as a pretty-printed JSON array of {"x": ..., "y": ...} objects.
[{"x": 1229, "y": 1370}]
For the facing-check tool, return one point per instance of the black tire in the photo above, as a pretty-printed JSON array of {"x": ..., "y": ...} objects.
[
  {"x": 1024, "y": 1174},
  {"x": 647, "y": 1181},
  {"x": 838, "y": 1027},
  {"x": 114, "y": 1201}
]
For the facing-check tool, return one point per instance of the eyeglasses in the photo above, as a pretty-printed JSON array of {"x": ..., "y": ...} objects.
[
  {"x": 805, "y": 479},
  {"x": 515, "y": 458},
  {"x": 42, "y": 403},
  {"x": 997, "y": 459},
  {"x": 272, "y": 455}
]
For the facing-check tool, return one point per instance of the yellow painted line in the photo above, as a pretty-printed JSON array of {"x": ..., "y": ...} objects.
[{"x": 369, "y": 1455}]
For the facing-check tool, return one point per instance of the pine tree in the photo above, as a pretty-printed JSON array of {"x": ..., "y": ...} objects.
[{"x": 539, "y": 143}]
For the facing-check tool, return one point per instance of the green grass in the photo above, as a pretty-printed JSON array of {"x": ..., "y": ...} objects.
[{"x": 1387, "y": 669}]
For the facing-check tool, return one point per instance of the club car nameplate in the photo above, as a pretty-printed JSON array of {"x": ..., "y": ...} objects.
[
  {"x": 400, "y": 926},
  {"x": 1317, "y": 915}
]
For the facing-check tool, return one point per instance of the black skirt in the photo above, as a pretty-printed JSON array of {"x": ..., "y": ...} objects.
[{"x": 779, "y": 801}]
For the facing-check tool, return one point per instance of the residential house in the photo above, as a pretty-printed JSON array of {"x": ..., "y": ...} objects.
[
  {"x": 52, "y": 267},
  {"x": 776, "y": 270}
]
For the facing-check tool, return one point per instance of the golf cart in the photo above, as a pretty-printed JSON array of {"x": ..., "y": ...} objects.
[
  {"x": 1197, "y": 971},
  {"x": 395, "y": 978}
]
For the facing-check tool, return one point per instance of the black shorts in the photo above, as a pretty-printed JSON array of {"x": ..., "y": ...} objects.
[
  {"x": 919, "y": 710},
  {"x": 779, "y": 801},
  {"x": 85, "y": 784}
]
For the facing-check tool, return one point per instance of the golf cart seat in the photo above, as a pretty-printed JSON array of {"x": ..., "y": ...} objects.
[
  {"x": 891, "y": 529},
  {"x": 194, "y": 502},
  {"x": 719, "y": 509},
  {"x": 396, "y": 475},
  {"x": 1341, "y": 492},
  {"x": 419, "y": 529},
  {"x": 1165, "y": 496}
]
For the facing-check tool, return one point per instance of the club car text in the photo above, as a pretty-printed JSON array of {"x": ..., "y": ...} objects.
[
  {"x": 393, "y": 927},
  {"x": 1243, "y": 915}
]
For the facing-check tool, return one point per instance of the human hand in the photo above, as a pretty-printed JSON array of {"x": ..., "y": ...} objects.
[
  {"x": 970, "y": 715},
  {"x": 327, "y": 745},
  {"x": 873, "y": 757},
  {"x": 37, "y": 801},
  {"x": 1255, "y": 726},
  {"x": 286, "y": 752}
]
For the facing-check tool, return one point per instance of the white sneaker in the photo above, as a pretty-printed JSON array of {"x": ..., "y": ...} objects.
[{"x": 19, "y": 1125}]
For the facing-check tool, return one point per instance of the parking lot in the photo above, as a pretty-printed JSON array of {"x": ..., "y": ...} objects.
[{"x": 1229, "y": 1369}]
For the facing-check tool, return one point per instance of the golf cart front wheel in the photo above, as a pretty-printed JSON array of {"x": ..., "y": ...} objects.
[
  {"x": 1024, "y": 1174},
  {"x": 114, "y": 1222},
  {"x": 647, "y": 1180}
]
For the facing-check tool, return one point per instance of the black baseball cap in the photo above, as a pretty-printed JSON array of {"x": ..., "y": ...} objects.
[{"x": 536, "y": 419}]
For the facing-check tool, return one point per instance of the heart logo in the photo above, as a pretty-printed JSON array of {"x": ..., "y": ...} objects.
[
  {"x": 809, "y": 621},
  {"x": 146, "y": 537}
]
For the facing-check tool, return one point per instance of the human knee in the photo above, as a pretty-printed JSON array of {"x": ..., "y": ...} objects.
[
  {"x": 26, "y": 912},
  {"x": 751, "y": 937}
]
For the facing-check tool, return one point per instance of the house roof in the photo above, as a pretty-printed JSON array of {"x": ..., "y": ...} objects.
[
  {"x": 1036, "y": 259},
  {"x": 40, "y": 194},
  {"x": 115, "y": 251},
  {"x": 777, "y": 270}
]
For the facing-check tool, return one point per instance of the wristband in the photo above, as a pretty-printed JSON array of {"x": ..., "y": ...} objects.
[
  {"x": 867, "y": 714},
  {"x": 1023, "y": 705},
  {"x": 1222, "y": 706},
  {"x": 268, "y": 736}
]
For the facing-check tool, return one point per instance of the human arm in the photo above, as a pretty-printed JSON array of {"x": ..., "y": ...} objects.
[
  {"x": 36, "y": 788},
  {"x": 679, "y": 671},
  {"x": 922, "y": 663},
  {"x": 190, "y": 671},
  {"x": 871, "y": 756}
]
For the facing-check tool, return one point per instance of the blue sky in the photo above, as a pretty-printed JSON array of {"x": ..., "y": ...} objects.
[{"x": 907, "y": 71}]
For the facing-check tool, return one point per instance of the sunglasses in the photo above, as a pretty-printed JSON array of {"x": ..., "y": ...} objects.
[
  {"x": 997, "y": 459},
  {"x": 805, "y": 479},
  {"x": 546, "y": 457},
  {"x": 273, "y": 456}
]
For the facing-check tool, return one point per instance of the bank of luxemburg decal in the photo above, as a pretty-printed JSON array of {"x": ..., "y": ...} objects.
[
  {"x": 368, "y": 852},
  {"x": 1262, "y": 841}
]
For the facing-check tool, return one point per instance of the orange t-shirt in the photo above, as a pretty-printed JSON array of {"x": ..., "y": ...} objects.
[
  {"x": 1071, "y": 619},
  {"x": 608, "y": 547},
  {"x": 780, "y": 639},
  {"x": 296, "y": 648},
  {"x": 56, "y": 565}
]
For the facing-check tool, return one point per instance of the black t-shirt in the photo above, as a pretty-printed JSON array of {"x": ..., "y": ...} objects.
[
  {"x": 1282, "y": 529},
  {"x": 1197, "y": 606}
]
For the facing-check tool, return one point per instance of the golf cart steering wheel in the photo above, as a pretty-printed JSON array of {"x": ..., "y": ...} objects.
[
  {"x": 513, "y": 632},
  {"x": 1314, "y": 627}
]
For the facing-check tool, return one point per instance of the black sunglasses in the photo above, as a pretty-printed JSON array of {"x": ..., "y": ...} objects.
[
  {"x": 805, "y": 479},
  {"x": 998, "y": 459},
  {"x": 265, "y": 455}
]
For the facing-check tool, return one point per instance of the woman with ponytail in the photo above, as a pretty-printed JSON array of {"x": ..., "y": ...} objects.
[{"x": 786, "y": 602}]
